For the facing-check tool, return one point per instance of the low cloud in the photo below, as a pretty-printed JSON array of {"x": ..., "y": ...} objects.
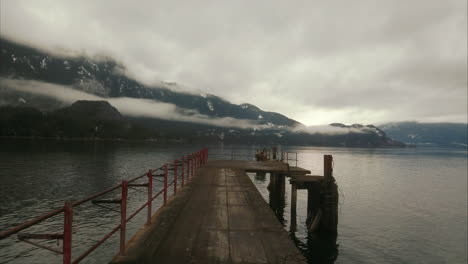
[
  {"x": 127, "y": 106},
  {"x": 329, "y": 130}
]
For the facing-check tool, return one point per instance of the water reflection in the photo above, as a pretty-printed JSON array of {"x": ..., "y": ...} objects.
[
  {"x": 395, "y": 200},
  {"x": 317, "y": 248}
]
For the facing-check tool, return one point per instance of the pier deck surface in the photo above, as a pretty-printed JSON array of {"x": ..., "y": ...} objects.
[
  {"x": 220, "y": 217},
  {"x": 259, "y": 166}
]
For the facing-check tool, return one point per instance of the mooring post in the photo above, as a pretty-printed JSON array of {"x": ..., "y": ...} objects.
[
  {"x": 67, "y": 232},
  {"x": 175, "y": 176},
  {"x": 150, "y": 196},
  {"x": 293, "y": 205},
  {"x": 182, "y": 171},
  {"x": 329, "y": 199},
  {"x": 165, "y": 184},
  {"x": 327, "y": 166},
  {"x": 123, "y": 217}
]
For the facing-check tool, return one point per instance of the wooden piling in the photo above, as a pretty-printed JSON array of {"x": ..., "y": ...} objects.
[
  {"x": 329, "y": 199},
  {"x": 293, "y": 207}
]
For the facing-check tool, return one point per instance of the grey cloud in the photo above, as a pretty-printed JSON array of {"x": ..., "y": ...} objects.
[
  {"x": 330, "y": 130},
  {"x": 127, "y": 106},
  {"x": 348, "y": 60}
]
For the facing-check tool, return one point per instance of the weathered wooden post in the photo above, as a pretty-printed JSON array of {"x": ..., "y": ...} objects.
[
  {"x": 329, "y": 198},
  {"x": 293, "y": 206},
  {"x": 277, "y": 192},
  {"x": 328, "y": 166}
]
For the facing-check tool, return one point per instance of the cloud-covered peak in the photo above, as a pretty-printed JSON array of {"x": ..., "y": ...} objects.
[{"x": 315, "y": 61}]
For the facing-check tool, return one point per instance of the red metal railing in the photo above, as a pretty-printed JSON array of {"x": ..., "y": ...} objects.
[{"x": 192, "y": 162}]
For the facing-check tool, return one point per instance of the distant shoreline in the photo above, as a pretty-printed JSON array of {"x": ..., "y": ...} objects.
[{"x": 74, "y": 139}]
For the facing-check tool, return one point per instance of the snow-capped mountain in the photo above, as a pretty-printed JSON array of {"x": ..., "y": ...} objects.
[{"x": 105, "y": 78}]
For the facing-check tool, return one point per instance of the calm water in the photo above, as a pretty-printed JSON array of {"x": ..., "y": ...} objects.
[{"x": 397, "y": 205}]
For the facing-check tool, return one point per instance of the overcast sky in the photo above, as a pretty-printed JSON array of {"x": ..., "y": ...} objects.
[{"x": 361, "y": 61}]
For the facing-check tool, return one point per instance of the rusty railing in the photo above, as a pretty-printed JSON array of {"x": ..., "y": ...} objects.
[{"x": 185, "y": 168}]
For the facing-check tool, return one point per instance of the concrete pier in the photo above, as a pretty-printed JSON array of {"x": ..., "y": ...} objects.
[{"x": 218, "y": 217}]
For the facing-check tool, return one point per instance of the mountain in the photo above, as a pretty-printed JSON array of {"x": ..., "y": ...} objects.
[
  {"x": 104, "y": 77},
  {"x": 83, "y": 119},
  {"x": 429, "y": 134},
  {"x": 100, "y": 120}
]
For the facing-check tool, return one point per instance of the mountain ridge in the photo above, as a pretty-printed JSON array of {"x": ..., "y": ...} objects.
[
  {"x": 441, "y": 134},
  {"x": 104, "y": 78}
]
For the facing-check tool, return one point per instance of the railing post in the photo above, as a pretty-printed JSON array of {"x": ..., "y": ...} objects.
[
  {"x": 188, "y": 167},
  {"x": 123, "y": 217},
  {"x": 67, "y": 232},
  {"x": 165, "y": 184},
  {"x": 175, "y": 176},
  {"x": 182, "y": 171},
  {"x": 150, "y": 196}
]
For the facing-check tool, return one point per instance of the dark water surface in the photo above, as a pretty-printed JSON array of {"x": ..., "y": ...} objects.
[{"x": 397, "y": 205}]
